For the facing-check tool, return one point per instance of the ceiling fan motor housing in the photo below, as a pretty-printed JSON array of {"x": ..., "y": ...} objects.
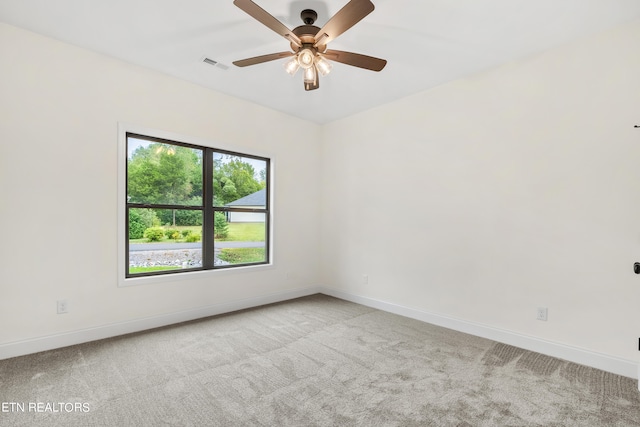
[
  {"x": 307, "y": 34},
  {"x": 308, "y": 16}
]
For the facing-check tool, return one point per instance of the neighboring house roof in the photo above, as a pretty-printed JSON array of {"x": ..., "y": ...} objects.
[{"x": 259, "y": 198}]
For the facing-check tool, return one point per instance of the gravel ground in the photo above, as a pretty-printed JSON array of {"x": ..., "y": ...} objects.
[{"x": 177, "y": 257}]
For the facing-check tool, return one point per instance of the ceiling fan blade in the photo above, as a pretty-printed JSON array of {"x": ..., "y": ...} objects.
[
  {"x": 263, "y": 58},
  {"x": 267, "y": 19},
  {"x": 347, "y": 17},
  {"x": 356, "y": 59}
]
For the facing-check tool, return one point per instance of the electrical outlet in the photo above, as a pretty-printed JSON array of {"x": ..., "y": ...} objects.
[
  {"x": 63, "y": 306},
  {"x": 542, "y": 313},
  {"x": 365, "y": 279}
]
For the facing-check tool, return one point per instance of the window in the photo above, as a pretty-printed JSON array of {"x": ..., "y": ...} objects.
[{"x": 191, "y": 207}]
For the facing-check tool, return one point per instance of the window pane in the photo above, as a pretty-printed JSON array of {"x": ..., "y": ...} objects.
[
  {"x": 239, "y": 181},
  {"x": 241, "y": 239},
  {"x": 160, "y": 173},
  {"x": 166, "y": 193},
  {"x": 156, "y": 247}
]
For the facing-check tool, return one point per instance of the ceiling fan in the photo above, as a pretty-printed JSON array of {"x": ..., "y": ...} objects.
[{"x": 309, "y": 43}]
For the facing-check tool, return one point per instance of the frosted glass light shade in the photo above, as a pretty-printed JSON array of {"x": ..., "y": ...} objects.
[
  {"x": 323, "y": 65},
  {"x": 310, "y": 75},
  {"x": 305, "y": 58},
  {"x": 292, "y": 66}
]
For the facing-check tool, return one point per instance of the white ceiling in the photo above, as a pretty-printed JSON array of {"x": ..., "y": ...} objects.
[{"x": 426, "y": 42}]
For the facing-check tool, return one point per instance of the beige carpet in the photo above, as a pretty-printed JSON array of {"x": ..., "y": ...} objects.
[{"x": 312, "y": 361}]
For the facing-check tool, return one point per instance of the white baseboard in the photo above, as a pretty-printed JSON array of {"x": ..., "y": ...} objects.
[
  {"x": 35, "y": 345},
  {"x": 581, "y": 356},
  {"x": 604, "y": 362}
]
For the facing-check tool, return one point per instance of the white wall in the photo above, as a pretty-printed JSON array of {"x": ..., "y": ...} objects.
[
  {"x": 488, "y": 197},
  {"x": 59, "y": 112},
  {"x": 479, "y": 200}
]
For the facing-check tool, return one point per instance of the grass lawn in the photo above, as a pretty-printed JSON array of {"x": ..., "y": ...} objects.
[
  {"x": 137, "y": 270},
  {"x": 245, "y": 232},
  {"x": 242, "y": 255}
]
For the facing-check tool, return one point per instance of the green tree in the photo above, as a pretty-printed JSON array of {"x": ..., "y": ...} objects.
[
  {"x": 220, "y": 226},
  {"x": 176, "y": 217},
  {"x": 263, "y": 178},
  {"x": 140, "y": 220},
  {"x": 234, "y": 179},
  {"x": 136, "y": 226},
  {"x": 170, "y": 174},
  {"x": 167, "y": 174},
  {"x": 164, "y": 173}
]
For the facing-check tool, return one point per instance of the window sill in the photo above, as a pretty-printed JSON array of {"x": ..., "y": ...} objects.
[{"x": 191, "y": 275}]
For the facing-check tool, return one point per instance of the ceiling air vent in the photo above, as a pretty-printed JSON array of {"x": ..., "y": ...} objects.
[{"x": 215, "y": 63}]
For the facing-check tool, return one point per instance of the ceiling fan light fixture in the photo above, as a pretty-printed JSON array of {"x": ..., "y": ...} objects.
[
  {"x": 323, "y": 66},
  {"x": 310, "y": 75},
  {"x": 309, "y": 43},
  {"x": 291, "y": 66},
  {"x": 306, "y": 58}
]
